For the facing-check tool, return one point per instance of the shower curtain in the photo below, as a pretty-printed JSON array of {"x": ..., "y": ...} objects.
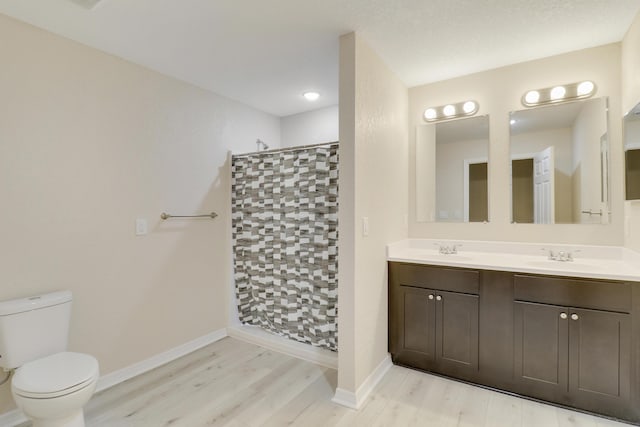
[{"x": 285, "y": 242}]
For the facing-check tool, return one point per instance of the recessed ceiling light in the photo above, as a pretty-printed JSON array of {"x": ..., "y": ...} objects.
[
  {"x": 89, "y": 4},
  {"x": 311, "y": 96}
]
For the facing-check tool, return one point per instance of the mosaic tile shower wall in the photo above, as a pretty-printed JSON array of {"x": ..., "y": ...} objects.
[{"x": 285, "y": 242}]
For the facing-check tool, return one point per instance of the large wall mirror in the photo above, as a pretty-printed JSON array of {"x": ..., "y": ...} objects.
[
  {"x": 560, "y": 163},
  {"x": 632, "y": 153},
  {"x": 452, "y": 161}
]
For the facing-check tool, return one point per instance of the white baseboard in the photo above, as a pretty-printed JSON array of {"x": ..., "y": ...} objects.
[
  {"x": 345, "y": 398},
  {"x": 13, "y": 418},
  {"x": 355, "y": 400},
  {"x": 153, "y": 362},
  {"x": 255, "y": 335},
  {"x": 16, "y": 417}
]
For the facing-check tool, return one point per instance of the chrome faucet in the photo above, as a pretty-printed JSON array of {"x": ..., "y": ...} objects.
[
  {"x": 562, "y": 256},
  {"x": 447, "y": 250}
]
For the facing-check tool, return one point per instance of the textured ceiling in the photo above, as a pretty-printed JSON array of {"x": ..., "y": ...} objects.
[{"x": 266, "y": 53}]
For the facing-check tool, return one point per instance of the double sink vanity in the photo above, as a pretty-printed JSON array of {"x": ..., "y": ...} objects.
[
  {"x": 550, "y": 322},
  {"x": 558, "y": 323}
]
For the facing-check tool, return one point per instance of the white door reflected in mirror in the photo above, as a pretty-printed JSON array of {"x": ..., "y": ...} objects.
[{"x": 543, "y": 187}]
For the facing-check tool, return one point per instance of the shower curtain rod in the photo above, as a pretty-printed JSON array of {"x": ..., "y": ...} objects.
[{"x": 279, "y": 150}]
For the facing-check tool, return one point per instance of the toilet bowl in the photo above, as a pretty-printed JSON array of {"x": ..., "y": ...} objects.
[
  {"x": 52, "y": 390},
  {"x": 50, "y": 384}
]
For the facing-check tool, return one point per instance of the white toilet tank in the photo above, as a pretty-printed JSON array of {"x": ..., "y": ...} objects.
[{"x": 33, "y": 327}]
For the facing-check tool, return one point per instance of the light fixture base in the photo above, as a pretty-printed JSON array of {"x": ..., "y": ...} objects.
[
  {"x": 559, "y": 93},
  {"x": 451, "y": 111}
]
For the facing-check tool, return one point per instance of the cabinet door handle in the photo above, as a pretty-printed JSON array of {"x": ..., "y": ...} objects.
[
  {"x": 563, "y": 315},
  {"x": 574, "y": 316},
  {"x": 430, "y": 296},
  {"x": 439, "y": 298}
]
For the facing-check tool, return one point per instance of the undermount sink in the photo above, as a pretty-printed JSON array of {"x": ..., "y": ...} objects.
[
  {"x": 559, "y": 265},
  {"x": 450, "y": 257}
]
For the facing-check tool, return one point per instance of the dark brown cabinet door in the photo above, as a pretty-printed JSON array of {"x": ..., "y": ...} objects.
[
  {"x": 578, "y": 357},
  {"x": 415, "y": 313},
  {"x": 541, "y": 349},
  {"x": 599, "y": 356},
  {"x": 457, "y": 333},
  {"x": 438, "y": 331}
]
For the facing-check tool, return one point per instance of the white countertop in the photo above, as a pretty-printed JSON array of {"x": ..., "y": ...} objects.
[{"x": 598, "y": 262}]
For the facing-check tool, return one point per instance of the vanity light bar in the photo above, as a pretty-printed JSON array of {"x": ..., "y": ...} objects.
[
  {"x": 561, "y": 93},
  {"x": 450, "y": 111}
]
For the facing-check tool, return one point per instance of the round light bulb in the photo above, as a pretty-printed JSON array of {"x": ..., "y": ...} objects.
[
  {"x": 311, "y": 96},
  {"x": 532, "y": 97},
  {"x": 449, "y": 110},
  {"x": 558, "y": 92},
  {"x": 430, "y": 113},
  {"x": 469, "y": 107},
  {"x": 585, "y": 88},
  {"x": 512, "y": 121}
]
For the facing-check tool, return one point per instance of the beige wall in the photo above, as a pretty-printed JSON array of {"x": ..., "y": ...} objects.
[
  {"x": 373, "y": 184},
  {"x": 450, "y": 158},
  {"x": 590, "y": 126},
  {"x": 498, "y": 92},
  {"x": 631, "y": 66},
  {"x": 632, "y": 133},
  {"x": 312, "y": 127},
  {"x": 630, "y": 97},
  {"x": 346, "y": 215},
  {"x": 88, "y": 143}
]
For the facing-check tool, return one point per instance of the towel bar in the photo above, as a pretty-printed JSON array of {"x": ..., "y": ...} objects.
[{"x": 211, "y": 215}]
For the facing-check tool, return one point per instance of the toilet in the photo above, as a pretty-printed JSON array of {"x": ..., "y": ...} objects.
[{"x": 50, "y": 385}]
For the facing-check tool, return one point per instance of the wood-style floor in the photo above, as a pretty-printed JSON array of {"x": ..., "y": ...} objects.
[{"x": 233, "y": 383}]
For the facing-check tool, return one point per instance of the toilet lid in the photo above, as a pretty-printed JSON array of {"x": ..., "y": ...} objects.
[{"x": 55, "y": 375}]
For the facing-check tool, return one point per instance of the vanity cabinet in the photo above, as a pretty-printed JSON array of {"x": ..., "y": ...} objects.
[
  {"x": 577, "y": 352},
  {"x": 561, "y": 350},
  {"x": 560, "y": 339},
  {"x": 434, "y": 319}
]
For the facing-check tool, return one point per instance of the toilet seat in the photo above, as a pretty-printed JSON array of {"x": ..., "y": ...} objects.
[
  {"x": 55, "y": 376},
  {"x": 54, "y": 394}
]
